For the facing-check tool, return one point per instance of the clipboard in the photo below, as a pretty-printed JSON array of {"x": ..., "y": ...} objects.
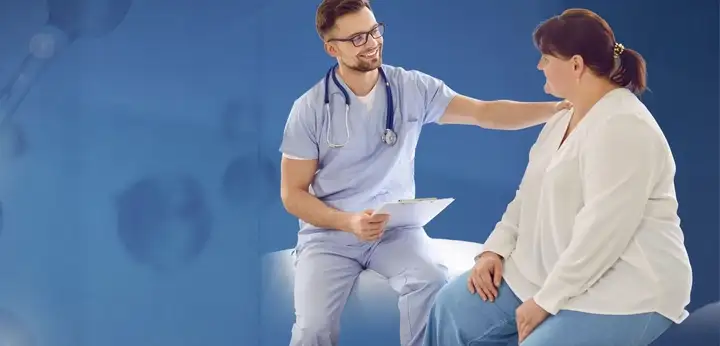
[{"x": 413, "y": 212}]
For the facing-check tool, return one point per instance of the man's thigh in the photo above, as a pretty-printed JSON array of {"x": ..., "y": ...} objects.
[
  {"x": 324, "y": 277},
  {"x": 406, "y": 253}
]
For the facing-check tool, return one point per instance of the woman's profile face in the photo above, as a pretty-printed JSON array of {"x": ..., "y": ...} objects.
[{"x": 560, "y": 76}]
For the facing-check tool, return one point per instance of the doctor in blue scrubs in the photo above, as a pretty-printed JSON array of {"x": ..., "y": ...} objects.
[{"x": 348, "y": 146}]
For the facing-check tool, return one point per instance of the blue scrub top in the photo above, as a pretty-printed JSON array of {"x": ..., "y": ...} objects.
[{"x": 366, "y": 172}]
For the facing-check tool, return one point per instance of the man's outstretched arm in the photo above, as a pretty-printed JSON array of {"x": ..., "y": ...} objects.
[
  {"x": 445, "y": 106},
  {"x": 499, "y": 115}
]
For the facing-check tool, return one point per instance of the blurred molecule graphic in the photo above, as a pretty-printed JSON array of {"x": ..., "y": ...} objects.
[
  {"x": 2, "y": 217},
  {"x": 68, "y": 20},
  {"x": 13, "y": 142},
  {"x": 241, "y": 121},
  {"x": 164, "y": 222},
  {"x": 87, "y": 18},
  {"x": 251, "y": 180},
  {"x": 13, "y": 332}
]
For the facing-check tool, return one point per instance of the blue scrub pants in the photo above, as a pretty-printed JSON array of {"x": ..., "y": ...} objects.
[
  {"x": 461, "y": 318},
  {"x": 327, "y": 265}
]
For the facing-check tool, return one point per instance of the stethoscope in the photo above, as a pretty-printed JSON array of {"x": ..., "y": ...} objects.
[{"x": 389, "y": 136}]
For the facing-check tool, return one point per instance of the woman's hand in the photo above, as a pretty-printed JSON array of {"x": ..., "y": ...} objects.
[
  {"x": 529, "y": 315},
  {"x": 486, "y": 276}
]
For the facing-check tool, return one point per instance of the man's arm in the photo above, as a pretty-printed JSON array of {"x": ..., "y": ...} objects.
[
  {"x": 619, "y": 165},
  {"x": 295, "y": 179},
  {"x": 444, "y": 106},
  {"x": 298, "y": 167},
  {"x": 498, "y": 115}
]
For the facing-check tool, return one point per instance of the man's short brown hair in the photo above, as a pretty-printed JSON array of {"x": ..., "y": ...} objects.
[{"x": 330, "y": 10}]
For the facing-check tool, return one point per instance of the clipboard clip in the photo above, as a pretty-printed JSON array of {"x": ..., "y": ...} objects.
[{"x": 417, "y": 200}]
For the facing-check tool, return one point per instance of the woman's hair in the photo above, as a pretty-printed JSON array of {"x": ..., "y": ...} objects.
[{"x": 584, "y": 33}]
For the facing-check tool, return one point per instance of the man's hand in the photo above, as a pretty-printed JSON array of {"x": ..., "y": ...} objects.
[
  {"x": 563, "y": 105},
  {"x": 366, "y": 226},
  {"x": 529, "y": 315},
  {"x": 486, "y": 276}
]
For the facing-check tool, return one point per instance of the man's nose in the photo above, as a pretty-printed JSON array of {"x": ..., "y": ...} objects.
[{"x": 371, "y": 42}]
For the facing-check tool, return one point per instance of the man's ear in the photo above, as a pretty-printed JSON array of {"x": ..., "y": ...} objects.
[{"x": 331, "y": 50}]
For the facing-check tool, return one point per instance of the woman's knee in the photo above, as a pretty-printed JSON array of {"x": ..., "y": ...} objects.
[
  {"x": 456, "y": 299},
  {"x": 464, "y": 317},
  {"x": 454, "y": 294}
]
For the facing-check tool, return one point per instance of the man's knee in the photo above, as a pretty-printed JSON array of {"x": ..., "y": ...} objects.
[
  {"x": 311, "y": 332},
  {"x": 435, "y": 276},
  {"x": 430, "y": 278}
]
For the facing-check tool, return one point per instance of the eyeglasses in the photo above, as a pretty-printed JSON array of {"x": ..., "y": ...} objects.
[{"x": 361, "y": 39}]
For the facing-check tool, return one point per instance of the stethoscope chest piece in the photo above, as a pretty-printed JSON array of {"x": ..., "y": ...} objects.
[{"x": 389, "y": 137}]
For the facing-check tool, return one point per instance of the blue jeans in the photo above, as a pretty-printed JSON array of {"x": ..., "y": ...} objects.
[{"x": 461, "y": 318}]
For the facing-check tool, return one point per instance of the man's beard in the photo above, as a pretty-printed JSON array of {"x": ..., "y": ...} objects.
[{"x": 368, "y": 66}]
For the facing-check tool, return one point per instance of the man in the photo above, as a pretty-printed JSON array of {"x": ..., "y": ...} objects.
[{"x": 340, "y": 160}]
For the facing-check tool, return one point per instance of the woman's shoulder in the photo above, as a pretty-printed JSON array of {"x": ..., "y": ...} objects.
[{"x": 558, "y": 119}]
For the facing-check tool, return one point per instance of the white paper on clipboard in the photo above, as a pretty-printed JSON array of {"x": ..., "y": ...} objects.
[{"x": 413, "y": 212}]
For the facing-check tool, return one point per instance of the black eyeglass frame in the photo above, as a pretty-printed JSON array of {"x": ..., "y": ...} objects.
[{"x": 360, "y": 39}]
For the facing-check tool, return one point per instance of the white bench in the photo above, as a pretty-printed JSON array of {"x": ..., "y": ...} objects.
[{"x": 378, "y": 321}]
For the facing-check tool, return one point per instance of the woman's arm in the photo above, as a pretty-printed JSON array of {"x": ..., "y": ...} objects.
[
  {"x": 618, "y": 165},
  {"x": 503, "y": 238}
]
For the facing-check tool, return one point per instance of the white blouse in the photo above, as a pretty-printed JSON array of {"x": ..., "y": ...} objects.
[{"x": 594, "y": 226}]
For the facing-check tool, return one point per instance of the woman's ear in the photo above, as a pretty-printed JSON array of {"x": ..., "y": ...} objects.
[{"x": 577, "y": 62}]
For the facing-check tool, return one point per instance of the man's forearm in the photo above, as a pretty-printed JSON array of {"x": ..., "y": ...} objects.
[
  {"x": 310, "y": 209},
  {"x": 513, "y": 115}
]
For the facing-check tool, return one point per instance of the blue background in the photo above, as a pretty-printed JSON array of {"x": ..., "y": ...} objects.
[{"x": 139, "y": 177}]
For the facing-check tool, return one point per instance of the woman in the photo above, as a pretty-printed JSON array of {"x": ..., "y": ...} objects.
[{"x": 590, "y": 250}]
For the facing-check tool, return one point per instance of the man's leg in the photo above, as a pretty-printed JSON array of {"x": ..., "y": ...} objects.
[
  {"x": 460, "y": 318},
  {"x": 324, "y": 276},
  {"x": 570, "y": 328},
  {"x": 402, "y": 257}
]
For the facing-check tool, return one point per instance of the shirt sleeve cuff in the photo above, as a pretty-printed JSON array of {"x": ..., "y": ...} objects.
[
  {"x": 440, "y": 104},
  {"x": 549, "y": 301},
  {"x": 294, "y": 153},
  {"x": 498, "y": 246}
]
